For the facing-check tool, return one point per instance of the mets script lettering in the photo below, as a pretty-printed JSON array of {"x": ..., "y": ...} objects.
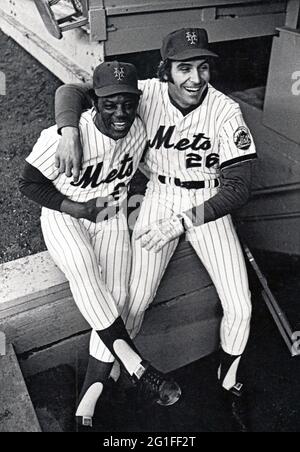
[
  {"x": 90, "y": 177},
  {"x": 165, "y": 138}
]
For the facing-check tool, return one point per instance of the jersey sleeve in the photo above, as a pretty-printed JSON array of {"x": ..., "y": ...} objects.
[
  {"x": 42, "y": 156},
  {"x": 70, "y": 101},
  {"x": 39, "y": 188},
  {"x": 236, "y": 143}
]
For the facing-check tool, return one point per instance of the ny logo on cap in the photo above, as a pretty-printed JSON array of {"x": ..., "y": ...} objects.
[
  {"x": 192, "y": 37},
  {"x": 119, "y": 73}
]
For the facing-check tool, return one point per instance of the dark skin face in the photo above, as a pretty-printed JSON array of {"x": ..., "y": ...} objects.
[{"x": 116, "y": 114}]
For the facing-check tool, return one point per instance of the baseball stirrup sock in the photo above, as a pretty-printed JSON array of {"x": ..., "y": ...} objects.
[
  {"x": 115, "y": 371},
  {"x": 97, "y": 373},
  {"x": 87, "y": 405},
  {"x": 227, "y": 372},
  {"x": 119, "y": 343}
]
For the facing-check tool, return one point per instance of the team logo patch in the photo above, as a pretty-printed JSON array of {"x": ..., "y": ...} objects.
[
  {"x": 242, "y": 138},
  {"x": 192, "y": 37},
  {"x": 119, "y": 73}
]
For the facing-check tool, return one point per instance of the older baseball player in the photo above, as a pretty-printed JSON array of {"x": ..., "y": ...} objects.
[
  {"x": 86, "y": 231},
  {"x": 199, "y": 159}
]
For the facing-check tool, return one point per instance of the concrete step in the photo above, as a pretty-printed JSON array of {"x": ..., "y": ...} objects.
[{"x": 16, "y": 410}]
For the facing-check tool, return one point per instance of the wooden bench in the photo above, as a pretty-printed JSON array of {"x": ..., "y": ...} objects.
[{"x": 39, "y": 316}]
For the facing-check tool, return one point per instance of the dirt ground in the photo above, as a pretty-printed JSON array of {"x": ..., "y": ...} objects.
[{"x": 26, "y": 109}]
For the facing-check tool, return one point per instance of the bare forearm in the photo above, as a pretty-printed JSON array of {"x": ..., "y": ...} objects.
[{"x": 74, "y": 209}]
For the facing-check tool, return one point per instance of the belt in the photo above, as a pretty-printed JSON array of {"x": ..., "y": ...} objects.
[{"x": 189, "y": 185}]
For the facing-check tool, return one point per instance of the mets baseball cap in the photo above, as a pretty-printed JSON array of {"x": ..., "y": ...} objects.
[
  {"x": 114, "y": 78},
  {"x": 185, "y": 44}
]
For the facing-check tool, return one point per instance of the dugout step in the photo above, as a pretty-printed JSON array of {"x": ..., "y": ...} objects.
[
  {"x": 56, "y": 27},
  {"x": 16, "y": 409}
]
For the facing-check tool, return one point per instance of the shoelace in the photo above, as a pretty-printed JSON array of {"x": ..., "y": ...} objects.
[
  {"x": 154, "y": 379},
  {"x": 150, "y": 384}
]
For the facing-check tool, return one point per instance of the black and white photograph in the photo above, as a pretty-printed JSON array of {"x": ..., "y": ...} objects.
[{"x": 149, "y": 218}]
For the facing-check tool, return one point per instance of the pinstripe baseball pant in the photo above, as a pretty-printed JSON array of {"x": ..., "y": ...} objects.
[
  {"x": 216, "y": 244},
  {"x": 96, "y": 259}
]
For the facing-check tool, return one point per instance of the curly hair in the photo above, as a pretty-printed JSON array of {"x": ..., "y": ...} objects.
[{"x": 164, "y": 71}]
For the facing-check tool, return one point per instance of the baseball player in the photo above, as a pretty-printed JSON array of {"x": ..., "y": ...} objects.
[
  {"x": 86, "y": 231},
  {"x": 199, "y": 158}
]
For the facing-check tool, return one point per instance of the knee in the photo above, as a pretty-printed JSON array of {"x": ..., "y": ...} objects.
[
  {"x": 121, "y": 301},
  {"x": 244, "y": 312},
  {"x": 240, "y": 313},
  {"x": 83, "y": 264},
  {"x": 140, "y": 299}
]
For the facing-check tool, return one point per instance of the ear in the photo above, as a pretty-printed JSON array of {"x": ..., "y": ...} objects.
[{"x": 166, "y": 78}]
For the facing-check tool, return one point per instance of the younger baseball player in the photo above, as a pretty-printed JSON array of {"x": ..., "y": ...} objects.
[
  {"x": 86, "y": 232},
  {"x": 199, "y": 159}
]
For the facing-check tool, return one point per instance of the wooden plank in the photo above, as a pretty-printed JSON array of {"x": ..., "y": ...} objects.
[
  {"x": 271, "y": 7},
  {"x": 16, "y": 410},
  {"x": 172, "y": 336},
  {"x": 118, "y": 7},
  {"x": 56, "y": 321},
  {"x": 182, "y": 331},
  {"x": 44, "y": 325},
  {"x": 71, "y": 59},
  {"x": 278, "y": 165},
  {"x": 279, "y": 158},
  {"x": 193, "y": 342},
  {"x": 35, "y": 280},
  {"x": 48, "y": 18},
  {"x": 73, "y": 351},
  {"x": 30, "y": 282},
  {"x": 145, "y": 32}
]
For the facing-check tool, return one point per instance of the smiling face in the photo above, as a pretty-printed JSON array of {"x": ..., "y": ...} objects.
[
  {"x": 116, "y": 114},
  {"x": 190, "y": 79}
]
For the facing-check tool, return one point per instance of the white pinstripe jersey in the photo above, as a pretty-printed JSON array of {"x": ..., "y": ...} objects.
[
  {"x": 196, "y": 146},
  {"x": 107, "y": 166}
]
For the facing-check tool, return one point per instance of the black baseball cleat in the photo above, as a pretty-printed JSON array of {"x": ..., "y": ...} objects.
[
  {"x": 236, "y": 402},
  {"x": 155, "y": 387}
]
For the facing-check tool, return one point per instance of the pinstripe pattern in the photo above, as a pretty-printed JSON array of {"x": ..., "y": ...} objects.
[
  {"x": 96, "y": 258},
  {"x": 217, "y": 246},
  {"x": 98, "y": 149},
  {"x": 217, "y": 118},
  {"x": 215, "y": 243}
]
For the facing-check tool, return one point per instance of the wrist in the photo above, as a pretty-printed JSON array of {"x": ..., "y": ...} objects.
[
  {"x": 69, "y": 131},
  {"x": 72, "y": 208},
  {"x": 184, "y": 221},
  {"x": 194, "y": 217}
]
